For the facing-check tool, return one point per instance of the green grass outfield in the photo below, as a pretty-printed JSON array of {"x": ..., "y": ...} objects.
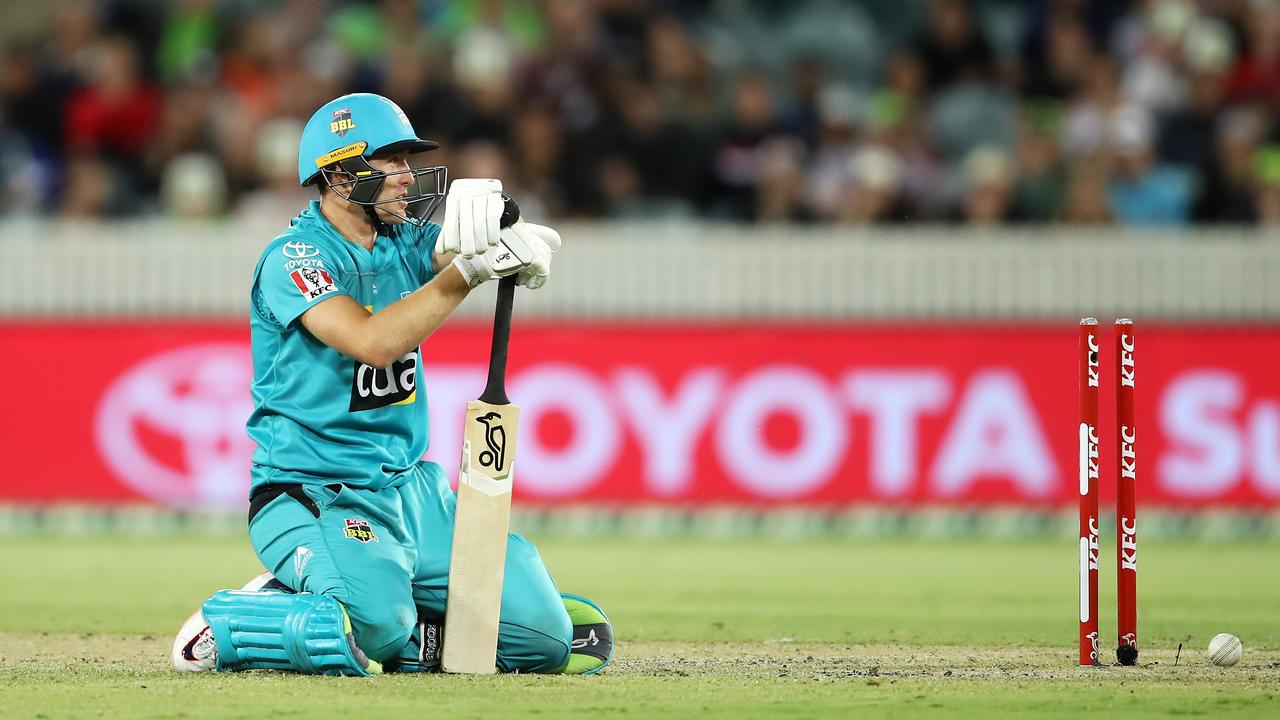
[{"x": 707, "y": 629}]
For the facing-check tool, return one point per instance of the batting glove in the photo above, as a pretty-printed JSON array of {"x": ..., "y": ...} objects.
[
  {"x": 535, "y": 274},
  {"x": 472, "y": 213},
  {"x": 522, "y": 248}
]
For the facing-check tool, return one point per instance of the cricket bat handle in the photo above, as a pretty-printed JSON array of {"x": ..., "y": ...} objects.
[{"x": 495, "y": 389}]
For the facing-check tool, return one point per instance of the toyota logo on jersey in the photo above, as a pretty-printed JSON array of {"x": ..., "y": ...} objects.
[{"x": 299, "y": 250}]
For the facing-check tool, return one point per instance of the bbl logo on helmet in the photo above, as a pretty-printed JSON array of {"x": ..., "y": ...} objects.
[{"x": 342, "y": 122}]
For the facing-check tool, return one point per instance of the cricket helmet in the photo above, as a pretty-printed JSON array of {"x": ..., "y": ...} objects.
[{"x": 345, "y": 132}]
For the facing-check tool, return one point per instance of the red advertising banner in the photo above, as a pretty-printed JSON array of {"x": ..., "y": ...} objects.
[{"x": 687, "y": 414}]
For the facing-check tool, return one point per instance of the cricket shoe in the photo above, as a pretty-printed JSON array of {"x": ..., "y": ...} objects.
[
  {"x": 592, "y": 648},
  {"x": 194, "y": 649}
]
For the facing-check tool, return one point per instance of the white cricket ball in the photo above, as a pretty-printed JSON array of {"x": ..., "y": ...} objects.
[{"x": 1225, "y": 650}]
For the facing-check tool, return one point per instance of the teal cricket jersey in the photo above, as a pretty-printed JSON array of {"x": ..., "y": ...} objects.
[{"x": 320, "y": 416}]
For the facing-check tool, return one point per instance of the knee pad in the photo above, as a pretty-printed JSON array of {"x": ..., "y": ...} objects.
[{"x": 280, "y": 631}]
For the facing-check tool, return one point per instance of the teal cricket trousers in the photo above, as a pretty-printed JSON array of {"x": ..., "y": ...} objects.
[{"x": 384, "y": 554}]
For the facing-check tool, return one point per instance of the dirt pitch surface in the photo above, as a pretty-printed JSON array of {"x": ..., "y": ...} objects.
[{"x": 707, "y": 630}]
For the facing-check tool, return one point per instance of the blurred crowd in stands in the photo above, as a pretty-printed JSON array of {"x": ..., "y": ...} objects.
[{"x": 1149, "y": 112}]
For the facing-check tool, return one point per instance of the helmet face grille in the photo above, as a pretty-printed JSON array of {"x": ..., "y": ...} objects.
[
  {"x": 357, "y": 181},
  {"x": 426, "y": 195}
]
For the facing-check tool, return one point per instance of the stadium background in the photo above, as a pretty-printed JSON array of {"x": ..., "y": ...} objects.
[{"x": 823, "y": 262}]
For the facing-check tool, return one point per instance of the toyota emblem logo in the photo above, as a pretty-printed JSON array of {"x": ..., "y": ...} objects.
[{"x": 173, "y": 426}]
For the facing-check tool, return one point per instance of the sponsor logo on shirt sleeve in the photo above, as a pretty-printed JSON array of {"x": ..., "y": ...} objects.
[
  {"x": 299, "y": 250},
  {"x": 313, "y": 282}
]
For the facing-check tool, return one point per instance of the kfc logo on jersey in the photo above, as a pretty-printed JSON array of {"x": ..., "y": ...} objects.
[{"x": 313, "y": 282}]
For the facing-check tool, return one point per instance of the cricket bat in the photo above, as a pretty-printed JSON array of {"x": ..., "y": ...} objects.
[{"x": 483, "y": 513}]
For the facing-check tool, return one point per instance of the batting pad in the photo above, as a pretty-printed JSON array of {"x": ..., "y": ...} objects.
[{"x": 281, "y": 631}]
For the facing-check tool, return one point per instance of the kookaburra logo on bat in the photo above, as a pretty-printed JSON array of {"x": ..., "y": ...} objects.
[{"x": 495, "y": 439}]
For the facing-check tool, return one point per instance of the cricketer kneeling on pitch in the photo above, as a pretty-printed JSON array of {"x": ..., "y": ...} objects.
[{"x": 355, "y": 529}]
